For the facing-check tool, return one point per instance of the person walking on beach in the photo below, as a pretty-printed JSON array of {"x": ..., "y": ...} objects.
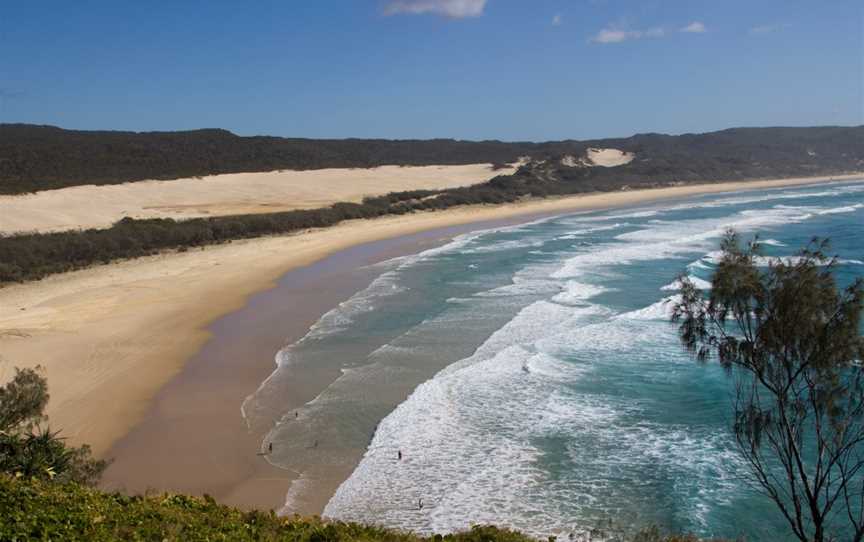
[{"x": 270, "y": 448}]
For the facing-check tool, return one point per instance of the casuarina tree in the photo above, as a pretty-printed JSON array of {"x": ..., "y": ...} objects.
[{"x": 791, "y": 341}]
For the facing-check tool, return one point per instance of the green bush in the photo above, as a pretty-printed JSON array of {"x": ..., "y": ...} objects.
[
  {"x": 28, "y": 450},
  {"x": 38, "y": 510}
]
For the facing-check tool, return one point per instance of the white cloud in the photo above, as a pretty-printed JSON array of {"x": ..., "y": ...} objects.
[
  {"x": 455, "y": 9},
  {"x": 556, "y": 20},
  {"x": 696, "y": 27},
  {"x": 616, "y": 35}
]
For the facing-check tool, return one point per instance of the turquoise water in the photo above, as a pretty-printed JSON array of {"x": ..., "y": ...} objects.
[{"x": 555, "y": 394}]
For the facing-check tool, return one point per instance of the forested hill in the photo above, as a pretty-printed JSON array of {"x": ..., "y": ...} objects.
[
  {"x": 45, "y": 157},
  {"x": 728, "y": 155}
]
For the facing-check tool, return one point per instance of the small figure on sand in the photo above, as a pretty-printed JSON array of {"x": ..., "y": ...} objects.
[
  {"x": 270, "y": 448},
  {"x": 315, "y": 444},
  {"x": 400, "y": 455},
  {"x": 296, "y": 414}
]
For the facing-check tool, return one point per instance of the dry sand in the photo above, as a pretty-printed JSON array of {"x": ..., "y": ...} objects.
[
  {"x": 93, "y": 206},
  {"x": 599, "y": 157},
  {"x": 609, "y": 157},
  {"x": 112, "y": 336}
]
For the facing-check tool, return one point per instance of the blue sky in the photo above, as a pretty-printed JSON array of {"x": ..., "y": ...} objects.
[{"x": 471, "y": 69}]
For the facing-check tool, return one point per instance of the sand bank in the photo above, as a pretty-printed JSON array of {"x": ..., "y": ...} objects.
[
  {"x": 93, "y": 206},
  {"x": 111, "y": 337}
]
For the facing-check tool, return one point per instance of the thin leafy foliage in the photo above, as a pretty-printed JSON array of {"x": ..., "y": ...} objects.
[{"x": 790, "y": 339}]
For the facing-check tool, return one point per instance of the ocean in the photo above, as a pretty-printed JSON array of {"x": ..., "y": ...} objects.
[{"x": 530, "y": 377}]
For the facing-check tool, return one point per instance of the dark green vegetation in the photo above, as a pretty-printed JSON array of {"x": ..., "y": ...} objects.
[
  {"x": 45, "y": 157},
  {"x": 37, "y": 510},
  {"x": 791, "y": 341},
  {"x": 43, "y": 511},
  {"x": 29, "y": 450}
]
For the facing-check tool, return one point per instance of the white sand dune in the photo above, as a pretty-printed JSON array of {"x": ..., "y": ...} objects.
[
  {"x": 609, "y": 157},
  {"x": 599, "y": 157},
  {"x": 93, "y": 206}
]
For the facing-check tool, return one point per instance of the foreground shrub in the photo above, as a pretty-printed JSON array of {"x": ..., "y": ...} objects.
[
  {"x": 28, "y": 450},
  {"x": 38, "y": 510}
]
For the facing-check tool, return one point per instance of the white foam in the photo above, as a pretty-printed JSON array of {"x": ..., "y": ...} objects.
[
  {"x": 770, "y": 196},
  {"x": 576, "y": 234},
  {"x": 840, "y": 210},
  {"x": 532, "y": 280},
  {"x": 714, "y": 257},
  {"x": 661, "y": 310},
  {"x": 699, "y": 283},
  {"x": 772, "y": 242},
  {"x": 637, "y": 213},
  {"x": 510, "y": 244},
  {"x": 535, "y": 321},
  {"x": 577, "y": 292},
  {"x": 524, "y": 287},
  {"x": 668, "y": 240}
]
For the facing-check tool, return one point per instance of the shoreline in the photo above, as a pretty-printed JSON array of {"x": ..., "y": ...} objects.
[
  {"x": 232, "y": 365},
  {"x": 127, "y": 330}
]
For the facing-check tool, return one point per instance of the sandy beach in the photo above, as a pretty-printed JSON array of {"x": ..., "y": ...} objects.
[
  {"x": 218, "y": 454},
  {"x": 111, "y": 337}
]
